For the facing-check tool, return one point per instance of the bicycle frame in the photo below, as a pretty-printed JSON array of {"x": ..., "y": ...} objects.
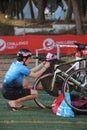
[
  {"x": 65, "y": 74},
  {"x": 67, "y": 77}
]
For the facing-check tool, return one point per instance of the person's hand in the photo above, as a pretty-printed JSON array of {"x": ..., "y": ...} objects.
[
  {"x": 47, "y": 64},
  {"x": 43, "y": 63}
]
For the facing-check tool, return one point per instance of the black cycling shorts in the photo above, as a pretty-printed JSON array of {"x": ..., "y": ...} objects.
[{"x": 13, "y": 94}]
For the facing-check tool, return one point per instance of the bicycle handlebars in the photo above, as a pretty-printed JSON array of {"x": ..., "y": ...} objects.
[
  {"x": 52, "y": 61},
  {"x": 80, "y": 47},
  {"x": 43, "y": 58}
]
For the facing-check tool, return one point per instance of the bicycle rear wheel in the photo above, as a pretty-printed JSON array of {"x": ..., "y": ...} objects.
[
  {"x": 78, "y": 92},
  {"x": 45, "y": 95}
]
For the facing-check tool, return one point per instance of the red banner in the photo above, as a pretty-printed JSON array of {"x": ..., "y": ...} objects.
[{"x": 45, "y": 43}]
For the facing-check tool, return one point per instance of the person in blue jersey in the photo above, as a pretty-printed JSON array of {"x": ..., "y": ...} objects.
[{"x": 15, "y": 86}]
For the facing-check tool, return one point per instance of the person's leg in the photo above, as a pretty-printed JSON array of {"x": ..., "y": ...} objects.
[
  {"x": 25, "y": 83},
  {"x": 33, "y": 95},
  {"x": 17, "y": 103},
  {"x": 16, "y": 98}
]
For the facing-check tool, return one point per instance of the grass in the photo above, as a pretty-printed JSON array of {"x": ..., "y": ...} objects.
[{"x": 35, "y": 118}]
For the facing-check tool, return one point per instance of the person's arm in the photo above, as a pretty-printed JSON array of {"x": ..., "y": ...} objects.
[
  {"x": 38, "y": 67},
  {"x": 39, "y": 72}
]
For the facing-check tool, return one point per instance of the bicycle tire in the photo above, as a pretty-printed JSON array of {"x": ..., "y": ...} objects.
[
  {"x": 45, "y": 95},
  {"x": 77, "y": 94}
]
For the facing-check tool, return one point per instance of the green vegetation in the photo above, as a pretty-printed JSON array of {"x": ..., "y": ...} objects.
[{"x": 35, "y": 118}]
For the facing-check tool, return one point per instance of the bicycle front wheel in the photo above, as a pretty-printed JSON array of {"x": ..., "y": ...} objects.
[
  {"x": 46, "y": 95},
  {"x": 76, "y": 85}
]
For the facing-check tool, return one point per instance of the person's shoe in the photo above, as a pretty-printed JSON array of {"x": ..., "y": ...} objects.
[
  {"x": 14, "y": 109},
  {"x": 23, "y": 106}
]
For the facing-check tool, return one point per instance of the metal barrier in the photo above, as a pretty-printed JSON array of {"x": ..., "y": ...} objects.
[
  {"x": 41, "y": 49},
  {"x": 58, "y": 46}
]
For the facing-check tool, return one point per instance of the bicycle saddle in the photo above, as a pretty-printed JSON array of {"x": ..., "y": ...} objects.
[{"x": 80, "y": 46}]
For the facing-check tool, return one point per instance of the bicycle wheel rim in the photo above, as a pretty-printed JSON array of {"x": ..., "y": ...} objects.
[
  {"x": 75, "y": 91},
  {"x": 46, "y": 95},
  {"x": 44, "y": 99}
]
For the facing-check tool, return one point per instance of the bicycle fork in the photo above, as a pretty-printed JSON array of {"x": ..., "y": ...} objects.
[{"x": 54, "y": 79}]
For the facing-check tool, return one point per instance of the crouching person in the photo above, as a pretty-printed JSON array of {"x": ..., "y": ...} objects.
[{"x": 15, "y": 87}]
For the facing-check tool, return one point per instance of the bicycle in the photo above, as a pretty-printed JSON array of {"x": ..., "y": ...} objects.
[{"x": 64, "y": 78}]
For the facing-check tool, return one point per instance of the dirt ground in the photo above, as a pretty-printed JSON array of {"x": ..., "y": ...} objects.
[{"x": 7, "y": 25}]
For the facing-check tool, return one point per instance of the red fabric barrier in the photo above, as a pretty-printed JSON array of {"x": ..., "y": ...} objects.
[{"x": 11, "y": 44}]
